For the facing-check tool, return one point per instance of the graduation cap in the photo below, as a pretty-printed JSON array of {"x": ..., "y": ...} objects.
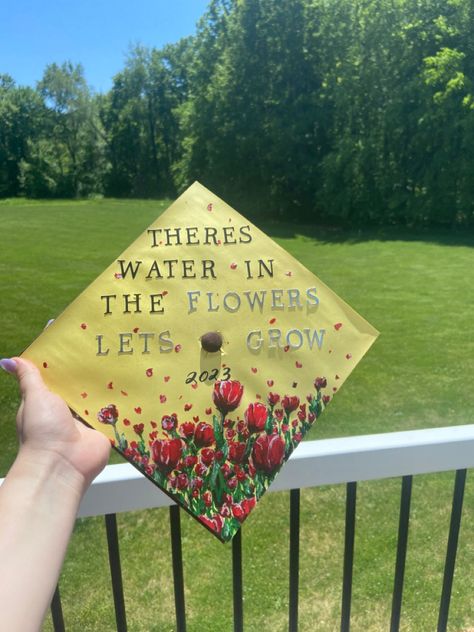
[{"x": 205, "y": 352}]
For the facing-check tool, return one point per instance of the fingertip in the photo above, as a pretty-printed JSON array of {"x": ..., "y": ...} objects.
[
  {"x": 9, "y": 365},
  {"x": 27, "y": 374}
]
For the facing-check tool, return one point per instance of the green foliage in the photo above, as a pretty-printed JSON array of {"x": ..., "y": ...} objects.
[{"x": 343, "y": 112}]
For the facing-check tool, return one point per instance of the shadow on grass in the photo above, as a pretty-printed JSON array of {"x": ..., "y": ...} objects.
[{"x": 335, "y": 234}]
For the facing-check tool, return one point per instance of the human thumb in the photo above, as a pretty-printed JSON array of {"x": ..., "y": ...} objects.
[{"x": 28, "y": 376}]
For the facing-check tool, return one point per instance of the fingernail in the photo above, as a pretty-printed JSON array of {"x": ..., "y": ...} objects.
[{"x": 8, "y": 365}]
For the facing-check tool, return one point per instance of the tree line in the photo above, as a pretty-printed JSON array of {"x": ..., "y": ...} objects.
[{"x": 325, "y": 110}]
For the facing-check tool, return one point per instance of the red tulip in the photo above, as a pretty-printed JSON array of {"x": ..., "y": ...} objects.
[
  {"x": 242, "y": 510},
  {"x": 320, "y": 382},
  {"x": 256, "y": 417},
  {"x": 169, "y": 422},
  {"x": 166, "y": 454},
  {"x": 201, "y": 469},
  {"x": 273, "y": 399},
  {"x": 190, "y": 460},
  {"x": 187, "y": 430},
  {"x": 268, "y": 452},
  {"x": 196, "y": 483},
  {"x": 207, "y": 456},
  {"x": 237, "y": 451},
  {"x": 290, "y": 403},
  {"x": 232, "y": 483},
  {"x": 108, "y": 415},
  {"x": 215, "y": 523},
  {"x": 139, "y": 428},
  {"x": 207, "y": 497},
  {"x": 203, "y": 435},
  {"x": 182, "y": 481},
  {"x": 227, "y": 395}
]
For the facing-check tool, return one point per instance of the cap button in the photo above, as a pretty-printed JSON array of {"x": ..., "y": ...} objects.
[{"x": 212, "y": 341}]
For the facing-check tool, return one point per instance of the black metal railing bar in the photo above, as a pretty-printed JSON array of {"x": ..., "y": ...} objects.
[{"x": 402, "y": 543}]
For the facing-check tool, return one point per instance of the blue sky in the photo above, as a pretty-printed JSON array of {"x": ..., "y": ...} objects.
[{"x": 95, "y": 33}]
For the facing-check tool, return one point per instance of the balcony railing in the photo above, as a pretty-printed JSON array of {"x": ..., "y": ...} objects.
[{"x": 121, "y": 488}]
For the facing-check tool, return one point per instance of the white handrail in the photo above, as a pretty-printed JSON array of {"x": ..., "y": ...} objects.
[{"x": 328, "y": 461}]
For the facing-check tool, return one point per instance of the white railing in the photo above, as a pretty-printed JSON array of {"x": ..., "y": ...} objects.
[{"x": 327, "y": 461}]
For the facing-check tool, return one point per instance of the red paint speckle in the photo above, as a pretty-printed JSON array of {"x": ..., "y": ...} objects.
[
  {"x": 138, "y": 410},
  {"x": 208, "y": 411},
  {"x": 286, "y": 348},
  {"x": 187, "y": 407},
  {"x": 233, "y": 266},
  {"x": 136, "y": 330},
  {"x": 209, "y": 207},
  {"x": 83, "y": 325},
  {"x": 298, "y": 365},
  {"x": 45, "y": 365},
  {"x": 289, "y": 273},
  {"x": 272, "y": 321},
  {"x": 153, "y": 424},
  {"x": 270, "y": 382},
  {"x": 337, "y": 326},
  {"x": 254, "y": 369},
  {"x": 164, "y": 293},
  {"x": 162, "y": 399},
  {"x": 117, "y": 275},
  {"x": 334, "y": 388},
  {"x": 178, "y": 348},
  {"x": 84, "y": 395},
  {"x": 348, "y": 356},
  {"x": 110, "y": 386},
  {"x": 149, "y": 372},
  {"x": 86, "y": 412},
  {"x": 124, "y": 393},
  {"x": 337, "y": 377},
  {"x": 126, "y": 422},
  {"x": 166, "y": 378},
  {"x": 194, "y": 385}
]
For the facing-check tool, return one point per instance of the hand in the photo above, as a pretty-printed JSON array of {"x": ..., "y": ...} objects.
[{"x": 49, "y": 434}]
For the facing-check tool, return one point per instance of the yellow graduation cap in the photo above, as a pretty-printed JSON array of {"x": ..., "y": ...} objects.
[{"x": 205, "y": 352}]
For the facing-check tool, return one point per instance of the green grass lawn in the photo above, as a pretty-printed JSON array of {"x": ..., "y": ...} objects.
[{"x": 416, "y": 289}]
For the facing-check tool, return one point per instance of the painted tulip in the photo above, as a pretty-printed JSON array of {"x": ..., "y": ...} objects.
[
  {"x": 207, "y": 456},
  {"x": 256, "y": 417},
  {"x": 187, "y": 429},
  {"x": 166, "y": 454},
  {"x": 203, "y": 435},
  {"x": 108, "y": 415},
  {"x": 169, "y": 422},
  {"x": 207, "y": 497},
  {"x": 320, "y": 382},
  {"x": 182, "y": 481},
  {"x": 237, "y": 451},
  {"x": 190, "y": 460},
  {"x": 268, "y": 452},
  {"x": 232, "y": 483},
  {"x": 227, "y": 395},
  {"x": 215, "y": 523},
  {"x": 273, "y": 399},
  {"x": 290, "y": 403},
  {"x": 139, "y": 428},
  {"x": 201, "y": 469}
]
